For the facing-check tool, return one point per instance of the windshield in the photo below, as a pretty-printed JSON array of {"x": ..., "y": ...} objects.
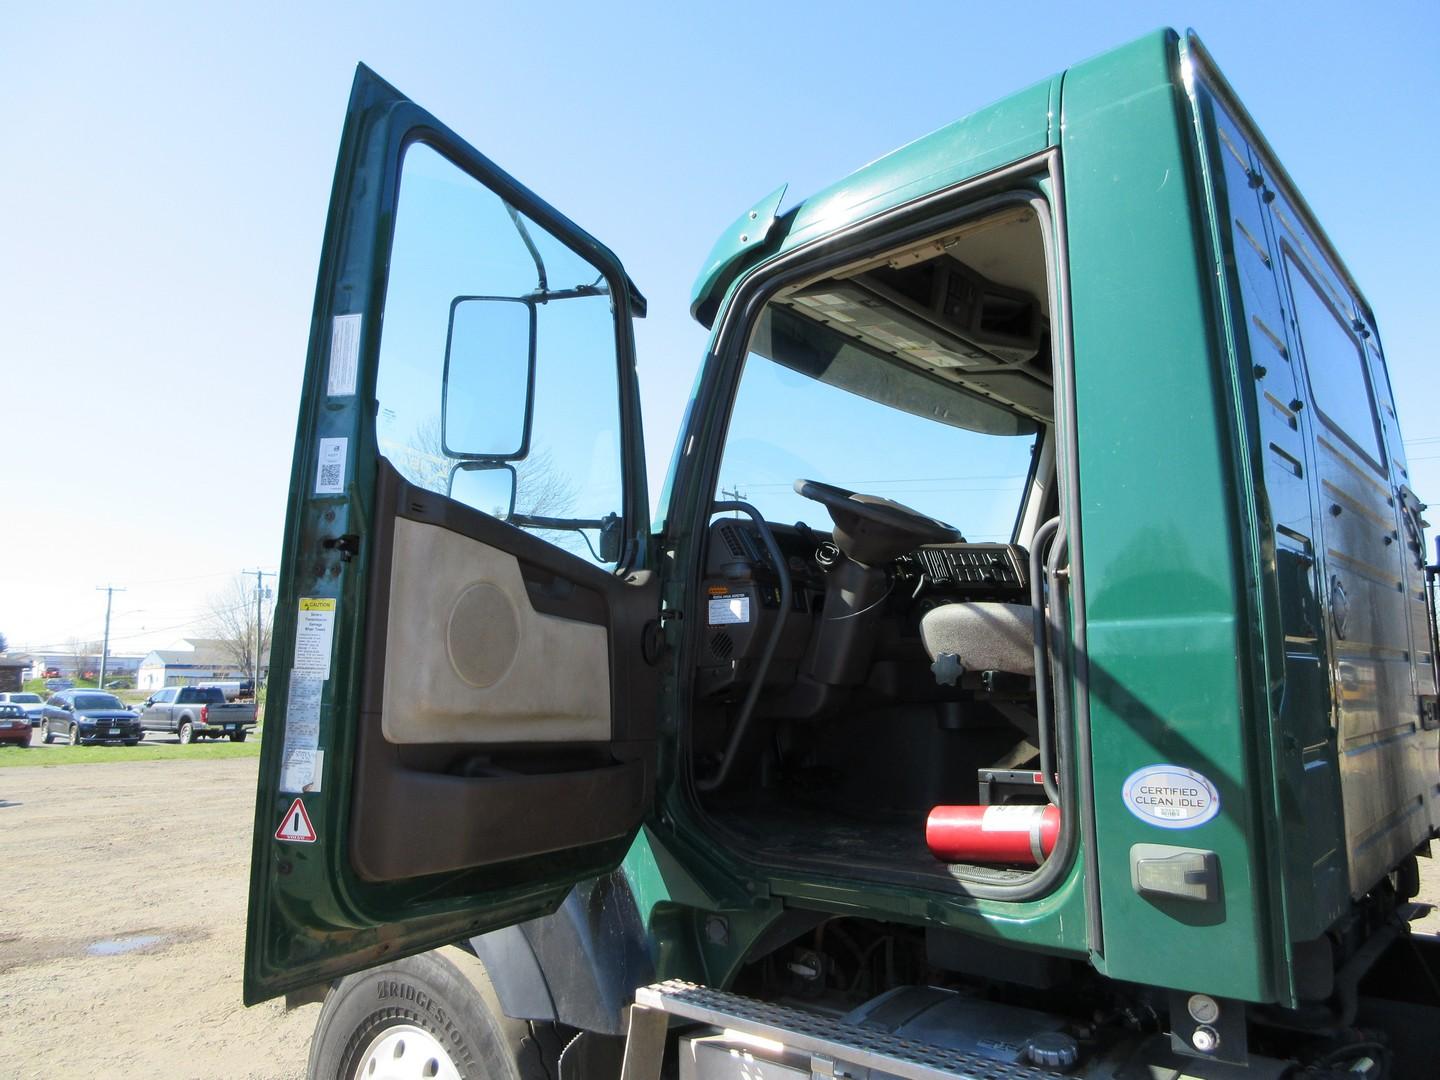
[
  {"x": 25, "y": 699},
  {"x": 945, "y": 453},
  {"x": 97, "y": 701}
]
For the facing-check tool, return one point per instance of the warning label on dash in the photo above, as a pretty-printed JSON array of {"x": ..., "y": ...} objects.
[{"x": 729, "y": 609}]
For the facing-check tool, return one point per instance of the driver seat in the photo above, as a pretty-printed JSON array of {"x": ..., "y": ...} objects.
[{"x": 980, "y": 636}]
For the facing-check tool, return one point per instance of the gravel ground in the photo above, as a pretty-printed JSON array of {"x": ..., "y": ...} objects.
[{"x": 158, "y": 849}]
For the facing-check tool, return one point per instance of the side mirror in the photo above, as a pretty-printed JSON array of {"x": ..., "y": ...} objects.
[
  {"x": 489, "y": 488},
  {"x": 488, "y": 394},
  {"x": 610, "y": 538}
]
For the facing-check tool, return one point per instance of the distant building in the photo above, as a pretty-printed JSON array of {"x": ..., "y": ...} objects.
[
  {"x": 70, "y": 666},
  {"x": 12, "y": 671},
  {"x": 190, "y": 661}
]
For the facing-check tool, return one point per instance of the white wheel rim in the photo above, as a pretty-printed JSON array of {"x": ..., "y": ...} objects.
[{"x": 405, "y": 1052}]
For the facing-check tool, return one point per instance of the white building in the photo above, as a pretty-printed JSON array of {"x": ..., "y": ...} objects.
[{"x": 189, "y": 661}]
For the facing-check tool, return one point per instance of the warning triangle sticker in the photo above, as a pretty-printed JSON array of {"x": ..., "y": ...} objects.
[{"x": 296, "y": 827}]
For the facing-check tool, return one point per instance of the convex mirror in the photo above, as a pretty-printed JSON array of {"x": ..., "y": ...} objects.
[{"x": 488, "y": 487}]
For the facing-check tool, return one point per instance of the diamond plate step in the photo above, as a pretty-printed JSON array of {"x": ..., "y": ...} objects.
[{"x": 832, "y": 1044}]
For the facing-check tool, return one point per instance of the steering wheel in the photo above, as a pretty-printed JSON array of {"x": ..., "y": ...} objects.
[{"x": 873, "y": 530}]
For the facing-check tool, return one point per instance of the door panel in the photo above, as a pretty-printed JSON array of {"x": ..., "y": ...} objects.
[
  {"x": 468, "y": 658},
  {"x": 536, "y": 755},
  {"x": 457, "y": 697}
]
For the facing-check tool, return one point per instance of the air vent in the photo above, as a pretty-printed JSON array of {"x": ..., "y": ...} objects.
[
  {"x": 722, "y": 645},
  {"x": 732, "y": 541}
]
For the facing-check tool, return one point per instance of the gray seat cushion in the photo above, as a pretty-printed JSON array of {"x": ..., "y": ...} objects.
[{"x": 985, "y": 636}]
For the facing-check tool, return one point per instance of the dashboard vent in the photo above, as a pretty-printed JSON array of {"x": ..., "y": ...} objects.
[{"x": 732, "y": 541}]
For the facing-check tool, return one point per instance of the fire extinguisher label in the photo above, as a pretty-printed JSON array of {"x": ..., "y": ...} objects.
[
  {"x": 1171, "y": 797},
  {"x": 1010, "y": 818}
]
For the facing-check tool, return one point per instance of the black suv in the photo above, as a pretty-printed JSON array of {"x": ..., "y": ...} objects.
[{"x": 87, "y": 716}]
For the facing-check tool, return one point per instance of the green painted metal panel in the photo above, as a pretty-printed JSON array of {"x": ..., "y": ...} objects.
[
  {"x": 1160, "y": 509},
  {"x": 1307, "y": 827},
  {"x": 1017, "y": 127}
]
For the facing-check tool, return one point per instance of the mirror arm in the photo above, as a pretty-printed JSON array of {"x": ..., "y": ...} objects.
[
  {"x": 535, "y": 521},
  {"x": 544, "y": 296},
  {"x": 529, "y": 246}
]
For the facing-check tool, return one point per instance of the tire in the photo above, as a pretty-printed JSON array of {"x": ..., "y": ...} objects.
[
  {"x": 132, "y": 742},
  {"x": 74, "y": 735},
  {"x": 186, "y": 733},
  {"x": 45, "y": 735},
  {"x": 238, "y": 736},
  {"x": 443, "y": 1002}
]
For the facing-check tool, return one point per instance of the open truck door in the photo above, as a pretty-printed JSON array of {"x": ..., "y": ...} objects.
[{"x": 459, "y": 724}]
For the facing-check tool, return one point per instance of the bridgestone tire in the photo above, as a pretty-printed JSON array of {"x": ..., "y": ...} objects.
[{"x": 449, "y": 995}]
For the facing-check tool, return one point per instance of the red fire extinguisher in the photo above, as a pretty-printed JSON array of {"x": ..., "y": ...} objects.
[{"x": 1017, "y": 834}]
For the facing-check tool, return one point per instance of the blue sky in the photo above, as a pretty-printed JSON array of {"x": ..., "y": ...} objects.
[{"x": 169, "y": 169}]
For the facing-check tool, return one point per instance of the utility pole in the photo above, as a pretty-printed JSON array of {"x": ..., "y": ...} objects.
[
  {"x": 260, "y": 593},
  {"x": 734, "y": 493},
  {"x": 109, "y": 591}
]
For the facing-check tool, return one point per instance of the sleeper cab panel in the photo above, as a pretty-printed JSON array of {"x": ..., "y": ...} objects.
[
  {"x": 1304, "y": 747},
  {"x": 1387, "y": 759}
]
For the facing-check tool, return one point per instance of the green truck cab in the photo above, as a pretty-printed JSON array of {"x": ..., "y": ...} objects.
[{"x": 1030, "y": 671}]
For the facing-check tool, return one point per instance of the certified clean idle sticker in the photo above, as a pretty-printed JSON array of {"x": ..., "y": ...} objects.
[{"x": 1171, "y": 797}]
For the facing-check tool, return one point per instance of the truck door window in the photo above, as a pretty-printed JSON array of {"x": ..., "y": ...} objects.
[
  {"x": 1335, "y": 362},
  {"x": 531, "y": 389}
]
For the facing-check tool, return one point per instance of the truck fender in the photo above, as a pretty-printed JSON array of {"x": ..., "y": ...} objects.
[{"x": 579, "y": 966}]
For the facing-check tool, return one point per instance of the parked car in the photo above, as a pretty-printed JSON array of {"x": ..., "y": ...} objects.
[
  {"x": 87, "y": 716},
  {"x": 194, "y": 712},
  {"x": 14, "y": 726},
  {"x": 33, "y": 704},
  {"x": 59, "y": 684}
]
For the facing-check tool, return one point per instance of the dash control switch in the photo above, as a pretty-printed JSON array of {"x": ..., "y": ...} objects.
[{"x": 1179, "y": 873}]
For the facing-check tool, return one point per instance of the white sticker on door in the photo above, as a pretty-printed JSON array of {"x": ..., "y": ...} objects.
[
  {"x": 314, "y": 636},
  {"x": 330, "y": 474},
  {"x": 300, "y": 760},
  {"x": 729, "y": 609},
  {"x": 1171, "y": 796},
  {"x": 344, "y": 355}
]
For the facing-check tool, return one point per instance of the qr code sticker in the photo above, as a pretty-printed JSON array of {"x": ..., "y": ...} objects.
[{"x": 330, "y": 475}]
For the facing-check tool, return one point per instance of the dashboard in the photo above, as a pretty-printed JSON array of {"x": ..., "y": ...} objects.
[{"x": 741, "y": 590}]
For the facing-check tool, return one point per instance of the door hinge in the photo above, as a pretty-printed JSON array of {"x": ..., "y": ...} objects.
[{"x": 348, "y": 545}]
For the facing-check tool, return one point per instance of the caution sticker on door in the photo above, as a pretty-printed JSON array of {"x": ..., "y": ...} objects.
[
  {"x": 295, "y": 826},
  {"x": 1171, "y": 796}
]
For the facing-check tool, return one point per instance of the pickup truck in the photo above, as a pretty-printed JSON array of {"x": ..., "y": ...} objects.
[{"x": 193, "y": 712}]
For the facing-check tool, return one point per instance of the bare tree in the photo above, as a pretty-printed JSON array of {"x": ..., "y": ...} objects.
[
  {"x": 231, "y": 621},
  {"x": 541, "y": 489},
  {"x": 82, "y": 655}
]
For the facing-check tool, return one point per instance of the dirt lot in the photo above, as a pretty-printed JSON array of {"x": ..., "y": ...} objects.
[{"x": 92, "y": 855}]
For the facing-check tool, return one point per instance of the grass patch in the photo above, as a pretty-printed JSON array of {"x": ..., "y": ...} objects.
[{"x": 11, "y": 756}]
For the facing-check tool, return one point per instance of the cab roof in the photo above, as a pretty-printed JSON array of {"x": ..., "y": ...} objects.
[{"x": 1021, "y": 125}]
